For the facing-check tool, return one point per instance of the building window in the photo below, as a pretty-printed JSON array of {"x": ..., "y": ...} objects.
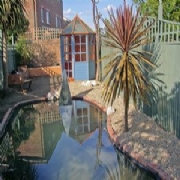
[
  {"x": 57, "y": 22},
  {"x": 42, "y": 14},
  {"x": 47, "y": 17},
  {"x": 60, "y": 24}
]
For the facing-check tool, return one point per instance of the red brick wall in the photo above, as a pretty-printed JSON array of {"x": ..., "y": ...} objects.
[
  {"x": 55, "y": 7},
  {"x": 30, "y": 13},
  {"x": 45, "y": 71},
  {"x": 46, "y": 52}
]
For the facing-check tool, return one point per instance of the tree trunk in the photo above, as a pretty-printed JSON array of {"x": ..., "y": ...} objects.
[
  {"x": 5, "y": 61},
  {"x": 126, "y": 100},
  {"x": 96, "y": 24},
  {"x": 126, "y": 117},
  {"x": 97, "y": 56}
]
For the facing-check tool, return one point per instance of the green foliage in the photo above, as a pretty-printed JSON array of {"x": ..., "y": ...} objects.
[
  {"x": 19, "y": 30},
  {"x": 23, "y": 51},
  {"x": 10, "y": 19},
  {"x": 23, "y": 25},
  {"x": 171, "y": 8},
  {"x": 12, "y": 14},
  {"x": 125, "y": 73}
]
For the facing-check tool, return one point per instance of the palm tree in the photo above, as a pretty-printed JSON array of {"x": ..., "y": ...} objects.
[
  {"x": 125, "y": 73},
  {"x": 11, "y": 12}
]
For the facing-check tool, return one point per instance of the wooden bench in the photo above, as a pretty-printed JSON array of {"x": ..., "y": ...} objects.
[{"x": 18, "y": 79}]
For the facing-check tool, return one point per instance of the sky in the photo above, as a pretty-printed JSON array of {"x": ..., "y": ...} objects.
[{"x": 84, "y": 9}]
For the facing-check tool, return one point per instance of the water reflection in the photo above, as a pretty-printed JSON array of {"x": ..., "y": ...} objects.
[{"x": 55, "y": 149}]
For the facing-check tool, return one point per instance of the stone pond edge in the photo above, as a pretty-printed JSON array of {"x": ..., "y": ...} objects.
[{"x": 127, "y": 149}]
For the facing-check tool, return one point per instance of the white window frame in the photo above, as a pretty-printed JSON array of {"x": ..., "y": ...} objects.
[
  {"x": 47, "y": 17},
  {"x": 60, "y": 20},
  {"x": 57, "y": 22},
  {"x": 42, "y": 14}
]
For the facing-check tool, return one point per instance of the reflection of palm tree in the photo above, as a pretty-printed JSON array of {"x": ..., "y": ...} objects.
[
  {"x": 124, "y": 169},
  {"x": 99, "y": 143}
]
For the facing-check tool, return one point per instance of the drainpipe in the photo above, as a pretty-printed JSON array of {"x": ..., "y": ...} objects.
[{"x": 35, "y": 16}]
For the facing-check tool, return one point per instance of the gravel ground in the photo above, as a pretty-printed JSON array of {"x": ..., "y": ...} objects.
[{"x": 144, "y": 135}]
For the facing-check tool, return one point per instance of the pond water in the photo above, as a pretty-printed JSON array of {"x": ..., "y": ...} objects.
[{"x": 41, "y": 144}]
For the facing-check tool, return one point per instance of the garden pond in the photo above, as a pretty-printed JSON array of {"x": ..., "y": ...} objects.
[{"x": 39, "y": 143}]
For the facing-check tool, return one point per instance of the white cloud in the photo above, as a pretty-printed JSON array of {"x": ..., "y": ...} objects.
[
  {"x": 109, "y": 7},
  {"x": 69, "y": 11}
]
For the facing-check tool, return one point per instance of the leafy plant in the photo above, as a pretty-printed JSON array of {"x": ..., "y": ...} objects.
[
  {"x": 23, "y": 51},
  {"x": 125, "y": 73},
  {"x": 10, "y": 18},
  {"x": 171, "y": 8}
]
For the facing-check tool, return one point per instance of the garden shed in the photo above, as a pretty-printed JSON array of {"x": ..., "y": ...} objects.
[{"x": 78, "y": 50}]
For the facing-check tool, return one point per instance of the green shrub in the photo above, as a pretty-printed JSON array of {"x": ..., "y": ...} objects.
[{"x": 23, "y": 51}]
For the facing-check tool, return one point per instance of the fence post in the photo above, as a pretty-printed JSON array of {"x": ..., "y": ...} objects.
[
  {"x": 160, "y": 11},
  {"x": 160, "y": 18}
]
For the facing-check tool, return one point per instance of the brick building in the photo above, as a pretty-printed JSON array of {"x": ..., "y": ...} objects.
[{"x": 45, "y": 13}]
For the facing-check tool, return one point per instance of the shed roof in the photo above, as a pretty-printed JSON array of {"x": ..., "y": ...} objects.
[{"x": 77, "y": 26}]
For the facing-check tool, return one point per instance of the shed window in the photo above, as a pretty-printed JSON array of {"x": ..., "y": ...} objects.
[{"x": 80, "y": 48}]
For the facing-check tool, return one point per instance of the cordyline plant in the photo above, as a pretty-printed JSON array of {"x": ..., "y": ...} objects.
[{"x": 125, "y": 72}]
